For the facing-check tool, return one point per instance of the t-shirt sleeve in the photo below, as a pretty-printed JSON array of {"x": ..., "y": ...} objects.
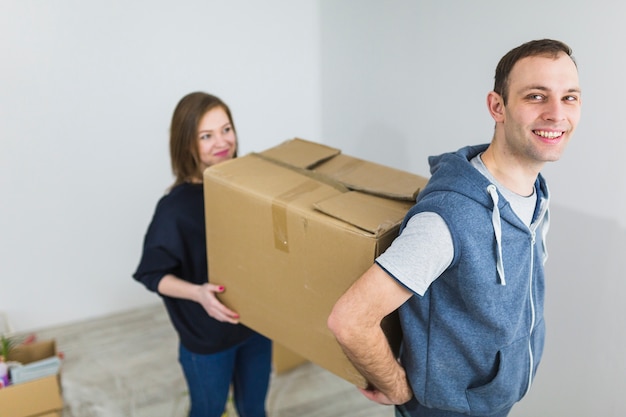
[
  {"x": 420, "y": 253},
  {"x": 160, "y": 255}
]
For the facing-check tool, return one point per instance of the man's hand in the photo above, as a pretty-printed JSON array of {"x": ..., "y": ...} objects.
[{"x": 379, "y": 397}]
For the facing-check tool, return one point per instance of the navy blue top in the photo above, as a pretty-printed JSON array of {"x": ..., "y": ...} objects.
[{"x": 175, "y": 243}]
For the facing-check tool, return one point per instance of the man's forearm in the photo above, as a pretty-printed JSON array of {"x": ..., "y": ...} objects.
[
  {"x": 356, "y": 323},
  {"x": 371, "y": 355}
]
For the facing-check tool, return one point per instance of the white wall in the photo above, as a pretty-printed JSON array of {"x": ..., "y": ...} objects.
[
  {"x": 403, "y": 79},
  {"x": 87, "y": 93}
]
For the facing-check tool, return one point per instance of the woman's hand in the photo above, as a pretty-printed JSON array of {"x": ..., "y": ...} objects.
[
  {"x": 207, "y": 298},
  {"x": 203, "y": 294}
]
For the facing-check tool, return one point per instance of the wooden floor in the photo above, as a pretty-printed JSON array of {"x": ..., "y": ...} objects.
[{"x": 126, "y": 365}]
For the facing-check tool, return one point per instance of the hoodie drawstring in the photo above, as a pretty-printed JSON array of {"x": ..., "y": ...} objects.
[{"x": 497, "y": 228}]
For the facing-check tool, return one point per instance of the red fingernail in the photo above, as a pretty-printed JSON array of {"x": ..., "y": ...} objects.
[{"x": 221, "y": 288}]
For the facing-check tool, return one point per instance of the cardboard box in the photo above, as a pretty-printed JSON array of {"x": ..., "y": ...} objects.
[
  {"x": 38, "y": 397},
  {"x": 290, "y": 229},
  {"x": 284, "y": 360}
]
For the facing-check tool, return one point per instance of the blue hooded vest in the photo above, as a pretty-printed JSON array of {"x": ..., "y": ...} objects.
[{"x": 472, "y": 343}]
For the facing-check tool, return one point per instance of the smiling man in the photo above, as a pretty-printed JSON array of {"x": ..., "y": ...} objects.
[{"x": 466, "y": 271}]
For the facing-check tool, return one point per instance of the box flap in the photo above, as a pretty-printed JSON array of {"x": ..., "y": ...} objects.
[
  {"x": 353, "y": 173},
  {"x": 368, "y": 212},
  {"x": 300, "y": 153},
  {"x": 373, "y": 178},
  {"x": 33, "y": 351}
]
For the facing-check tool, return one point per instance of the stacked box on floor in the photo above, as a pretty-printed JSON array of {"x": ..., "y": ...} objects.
[
  {"x": 290, "y": 229},
  {"x": 39, "y": 397}
]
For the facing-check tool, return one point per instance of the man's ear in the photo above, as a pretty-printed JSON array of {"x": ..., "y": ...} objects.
[{"x": 495, "y": 104}]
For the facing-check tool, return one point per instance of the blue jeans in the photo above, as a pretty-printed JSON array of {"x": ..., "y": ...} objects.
[{"x": 247, "y": 366}]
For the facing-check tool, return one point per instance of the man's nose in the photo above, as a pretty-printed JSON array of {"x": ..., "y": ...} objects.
[{"x": 554, "y": 110}]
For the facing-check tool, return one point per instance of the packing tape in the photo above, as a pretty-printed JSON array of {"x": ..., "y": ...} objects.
[{"x": 279, "y": 212}]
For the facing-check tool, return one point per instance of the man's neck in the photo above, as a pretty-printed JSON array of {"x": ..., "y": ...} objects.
[{"x": 510, "y": 171}]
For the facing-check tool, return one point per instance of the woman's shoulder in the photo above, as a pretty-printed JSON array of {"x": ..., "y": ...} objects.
[
  {"x": 182, "y": 192},
  {"x": 182, "y": 195},
  {"x": 178, "y": 210}
]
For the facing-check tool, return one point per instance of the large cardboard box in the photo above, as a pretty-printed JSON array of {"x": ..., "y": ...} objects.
[
  {"x": 290, "y": 229},
  {"x": 285, "y": 360},
  {"x": 39, "y": 397}
]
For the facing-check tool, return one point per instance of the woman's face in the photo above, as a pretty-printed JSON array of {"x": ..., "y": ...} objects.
[{"x": 217, "y": 140}]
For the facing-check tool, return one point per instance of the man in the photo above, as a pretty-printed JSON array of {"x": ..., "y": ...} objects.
[{"x": 466, "y": 271}]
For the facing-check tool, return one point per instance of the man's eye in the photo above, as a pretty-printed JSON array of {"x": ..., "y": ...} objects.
[
  {"x": 535, "y": 97},
  {"x": 570, "y": 98}
]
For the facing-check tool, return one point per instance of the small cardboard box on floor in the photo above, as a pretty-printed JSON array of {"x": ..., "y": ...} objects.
[
  {"x": 39, "y": 397},
  {"x": 290, "y": 229}
]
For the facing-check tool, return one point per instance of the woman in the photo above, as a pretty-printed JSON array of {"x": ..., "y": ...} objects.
[{"x": 214, "y": 350}]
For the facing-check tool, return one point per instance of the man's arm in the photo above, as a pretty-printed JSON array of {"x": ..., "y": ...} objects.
[{"x": 355, "y": 322}]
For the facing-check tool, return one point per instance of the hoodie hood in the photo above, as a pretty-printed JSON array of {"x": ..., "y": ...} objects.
[{"x": 472, "y": 184}]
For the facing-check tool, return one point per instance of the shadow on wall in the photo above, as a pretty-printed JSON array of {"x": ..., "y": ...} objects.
[{"x": 582, "y": 373}]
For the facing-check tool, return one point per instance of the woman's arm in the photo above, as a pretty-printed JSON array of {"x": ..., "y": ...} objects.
[{"x": 205, "y": 294}]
